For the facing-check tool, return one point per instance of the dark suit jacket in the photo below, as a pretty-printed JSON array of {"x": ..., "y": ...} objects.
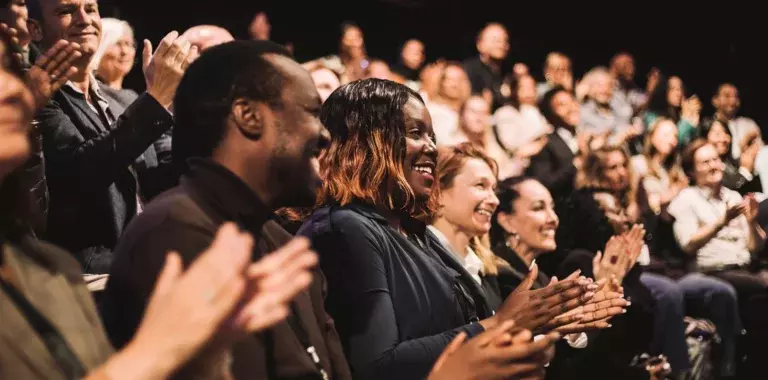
[
  {"x": 553, "y": 167},
  {"x": 185, "y": 219},
  {"x": 93, "y": 186}
]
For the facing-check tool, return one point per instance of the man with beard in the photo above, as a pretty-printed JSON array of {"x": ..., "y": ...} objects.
[{"x": 246, "y": 139}]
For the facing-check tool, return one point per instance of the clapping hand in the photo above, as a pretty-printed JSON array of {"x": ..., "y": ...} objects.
[
  {"x": 595, "y": 315},
  {"x": 537, "y": 310},
  {"x": 621, "y": 254},
  {"x": 164, "y": 67},
  {"x": 502, "y": 352},
  {"x": 50, "y": 71}
]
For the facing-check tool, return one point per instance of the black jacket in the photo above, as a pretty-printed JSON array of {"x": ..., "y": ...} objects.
[
  {"x": 397, "y": 301},
  {"x": 553, "y": 167},
  {"x": 89, "y": 167},
  {"x": 185, "y": 219}
]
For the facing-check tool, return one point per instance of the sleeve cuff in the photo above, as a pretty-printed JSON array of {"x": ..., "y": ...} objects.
[
  {"x": 474, "y": 329},
  {"x": 746, "y": 173}
]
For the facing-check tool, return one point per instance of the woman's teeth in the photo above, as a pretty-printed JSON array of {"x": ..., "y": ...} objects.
[{"x": 423, "y": 169}]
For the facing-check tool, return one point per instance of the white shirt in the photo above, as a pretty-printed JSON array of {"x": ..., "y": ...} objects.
[
  {"x": 569, "y": 139},
  {"x": 696, "y": 207},
  {"x": 471, "y": 262}
]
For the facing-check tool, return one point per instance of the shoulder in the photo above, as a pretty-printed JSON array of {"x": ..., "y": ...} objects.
[
  {"x": 50, "y": 256},
  {"x": 683, "y": 199},
  {"x": 639, "y": 165},
  {"x": 731, "y": 195}
]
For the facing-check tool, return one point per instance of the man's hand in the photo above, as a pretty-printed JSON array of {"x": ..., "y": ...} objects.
[
  {"x": 51, "y": 70},
  {"x": 164, "y": 68}
]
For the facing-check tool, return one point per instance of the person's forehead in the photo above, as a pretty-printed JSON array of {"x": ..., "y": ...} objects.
[
  {"x": 704, "y": 153},
  {"x": 494, "y": 31},
  {"x": 58, "y": 3}
]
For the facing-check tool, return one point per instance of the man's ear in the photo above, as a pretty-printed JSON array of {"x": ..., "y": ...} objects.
[
  {"x": 35, "y": 30},
  {"x": 248, "y": 118}
]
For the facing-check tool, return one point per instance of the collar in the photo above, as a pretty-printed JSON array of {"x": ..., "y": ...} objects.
[
  {"x": 95, "y": 88},
  {"x": 226, "y": 194},
  {"x": 709, "y": 194},
  {"x": 410, "y": 225}
]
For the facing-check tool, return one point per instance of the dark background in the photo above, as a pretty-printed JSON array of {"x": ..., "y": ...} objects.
[{"x": 704, "y": 44}]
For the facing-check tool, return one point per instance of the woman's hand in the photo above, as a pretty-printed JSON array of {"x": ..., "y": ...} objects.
[
  {"x": 536, "y": 309},
  {"x": 596, "y": 314},
  {"x": 498, "y": 353}
]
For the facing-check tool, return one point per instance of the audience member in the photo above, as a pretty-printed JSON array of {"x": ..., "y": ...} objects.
[
  {"x": 668, "y": 100},
  {"x": 727, "y": 103},
  {"x": 557, "y": 72},
  {"x": 519, "y": 126},
  {"x": 485, "y": 71},
  {"x": 260, "y": 28},
  {"x": 50, "y": 324},
  {"x": 325, "y": 81},
  {"x": 622, "y": 68},
  {"x": 453, "y": 91},
  {"x": 393, "y": 289},
  {"x": 602, "y": 113},
  {"x": 84, "y": 139},
  {"x": 738, "y": 174},
  {"x": 351, "y": 61},
  {"x": 554, "y": 165},
  {"x": 206, "y": 36},
  {"x": 411, "y": 62},
  {"x": 270, "y": 118},
  {"x": 114, "y": 60},
  {"x": 716, "y": 225}
]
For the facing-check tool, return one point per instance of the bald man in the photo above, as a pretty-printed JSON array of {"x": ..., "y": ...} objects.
[
  {"x": 206, "y": 36},
  {"x": 485, "y": 70}
]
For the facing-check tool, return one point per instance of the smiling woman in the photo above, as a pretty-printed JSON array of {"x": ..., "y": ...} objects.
[{"x": 394, "y": 293}]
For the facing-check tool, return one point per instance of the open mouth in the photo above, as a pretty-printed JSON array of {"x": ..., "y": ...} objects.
[{"x": 426, "y": 169}]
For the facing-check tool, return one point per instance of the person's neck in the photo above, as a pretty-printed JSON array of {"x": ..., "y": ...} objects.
[
  {"x": 526, "y": 254},
  {"x": 265, "y": 189},
  {"x": 723, "y": 116},
  {"x": 457, "y": 238},
  {"x": 476, "y": 138},
  {"x": 115, "y": 84},
  {"x": 82, "y": 80},
  {"x": 392, "y": 217},
  {"x": 659, "y": 159},
  {"x": 714, "y": 188},
  {"x": 490, "y": 62},
  {"x": 453, "y": 104}
]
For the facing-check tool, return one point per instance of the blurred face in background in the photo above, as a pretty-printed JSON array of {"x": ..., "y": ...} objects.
[
  {"x": 16, "y": 112},
  {"x": 675, "y": 91},
  {"x": 719, "y": 138},
  {"x": 118, "y": 59},
  {"x": 325, "y": 81},
  {"x": 494, "y": 42},
  {"x": 352, "y": 42},
  {"x": 727, "y": 100},
  {"x": 558, "y": 70},
  {"x": 601, "y": 89},
  {"x": 470, "y": 201},
  {"x": 624, "y": 67},
  {"x": 567, "y": 108},
  {"x": 413, "y": 54},
  {"x": 455, "y": 83},
  {"x": 476, "y": 116},
  {"x": 615, "y": 171},
  {"x": 378, "y": 69},
  {"x": 707, "y": 167},
  {"x": 526, "y": 90},
  {"x": 664, "y": 138}
]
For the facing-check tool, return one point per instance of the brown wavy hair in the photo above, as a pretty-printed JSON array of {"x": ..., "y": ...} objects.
[
  {"x": 449, "y": 164},
  {"x": 364, "y": 161},
  {"x": 671, "y": 165},
  {"x": 591, "y": 176}
]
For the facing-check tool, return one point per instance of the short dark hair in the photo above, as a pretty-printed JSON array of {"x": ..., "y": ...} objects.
[{"x": 205, "y": 95}]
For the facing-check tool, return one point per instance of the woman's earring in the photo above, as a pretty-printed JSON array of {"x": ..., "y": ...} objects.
[{"x": 513, "y": 239}]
